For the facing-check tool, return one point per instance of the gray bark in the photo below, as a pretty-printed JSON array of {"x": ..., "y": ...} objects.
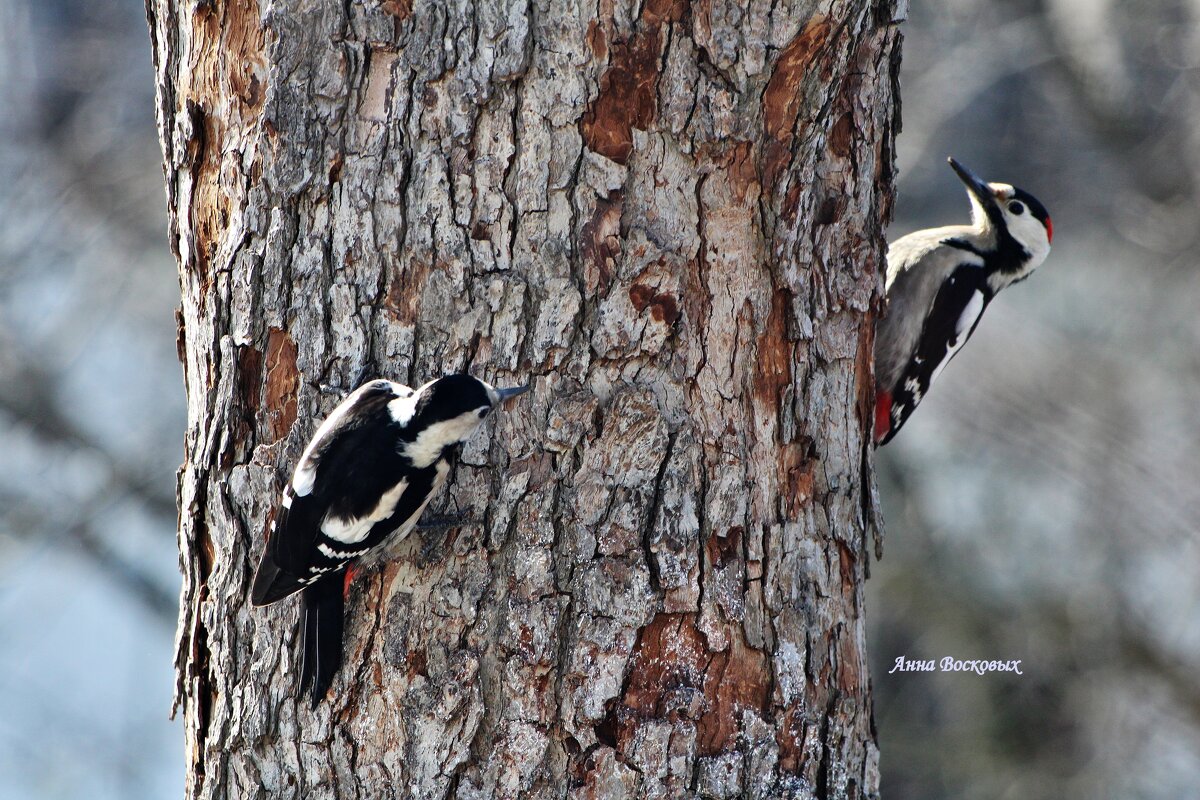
[{"x": 669, "y": 216}]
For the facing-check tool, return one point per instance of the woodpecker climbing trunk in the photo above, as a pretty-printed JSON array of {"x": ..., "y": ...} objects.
[{"x": 666, "y": 215}]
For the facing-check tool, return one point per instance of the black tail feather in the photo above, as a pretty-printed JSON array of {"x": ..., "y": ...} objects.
[{"x": 322, "y": 612}]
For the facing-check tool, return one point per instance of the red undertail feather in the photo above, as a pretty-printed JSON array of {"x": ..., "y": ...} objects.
[
  {"x": 346, "y": 581},
  {"x": 883, "y": 415}
]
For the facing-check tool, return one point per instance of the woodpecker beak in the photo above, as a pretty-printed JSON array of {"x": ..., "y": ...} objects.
[
  {"x": 976, "y": 184},
  {"x": 980, "y": 190},
  {"x": 504, "y": 394}
]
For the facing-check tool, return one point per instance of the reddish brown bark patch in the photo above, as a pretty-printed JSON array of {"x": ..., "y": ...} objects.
[
  {"x": 841, "y": 138},
  {"x": 849, "y": 676},
  {"x": 402, "y": 302},
  {"x": 723, "y": 549},
  {"x": 773, "y": 356},
  {"x": 600, "y": 243},
  {"x": 790, "y": 737},
  {"x": 663, "y": 307},
  {"x": 224, "y": 94},
  {"x": 669, "y": 660},
  {"x": 847, "y": 571},
  {"x": 400, "y": 9},
  {"x": 782, "y": 97},
  {"x": 627, "y": 98},
  {"x": 640, "y": 295},
  {"x": 737, "y": 680},
  {"x": 628, "y": 94},
  {"x": 656, "y": 12},
  {"x": 743, "y": 171},
  {"x": 249, "y": 377},
  {"x": 797, "y": 470},
  {"x": 282, "y": 383},
  {"x": 596, "y": 40},
  {"x": 674, "y": 676}
]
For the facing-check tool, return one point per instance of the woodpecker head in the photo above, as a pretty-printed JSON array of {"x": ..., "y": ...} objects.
[
  {"x": 1012, "y": 218},
  {"x": 448, "y": 410}
]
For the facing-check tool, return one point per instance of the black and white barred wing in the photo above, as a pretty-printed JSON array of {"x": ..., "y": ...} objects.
[
  {"x": 350, "y": 490},
  {"x": 956, "y": 312}
]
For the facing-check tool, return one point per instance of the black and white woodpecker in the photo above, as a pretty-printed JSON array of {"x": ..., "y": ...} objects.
[
  {"x": 360, "y": 486},
  {"x": 939, "y": 281}
]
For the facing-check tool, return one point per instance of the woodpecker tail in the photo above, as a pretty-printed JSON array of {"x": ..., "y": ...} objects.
[{"x": 323, "y": 614}]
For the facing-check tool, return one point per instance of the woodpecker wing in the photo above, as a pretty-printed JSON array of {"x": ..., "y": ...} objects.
[
  {"x": 955, "y": 313},
  {"x": 353, "y": 487}
]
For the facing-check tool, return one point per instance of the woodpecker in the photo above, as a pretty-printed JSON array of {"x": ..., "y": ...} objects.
[
  {"x": 360, "y": 486},
  {"x": 939, "y": 281}
]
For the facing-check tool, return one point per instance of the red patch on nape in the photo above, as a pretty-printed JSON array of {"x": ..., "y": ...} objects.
[
  {"x": 1049, "y": 230},
  {"x": 883, "y": 415},
  {"x": 350, "y": 571}
]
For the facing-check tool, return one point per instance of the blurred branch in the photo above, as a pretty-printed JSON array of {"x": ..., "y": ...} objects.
[
  {"x": 129, "y": 575},
  {"x": 48, "y": 526},
  {"x": 994, "y": 54},
  {"x": 1145, "y": 122},
  {"x": 25, "y": 393}
]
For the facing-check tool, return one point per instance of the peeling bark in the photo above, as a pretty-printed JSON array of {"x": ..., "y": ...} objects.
[{"x": 669, "y": 216}]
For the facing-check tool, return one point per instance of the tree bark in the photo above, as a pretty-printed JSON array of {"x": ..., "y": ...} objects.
[{"x": 669, "y": 217}]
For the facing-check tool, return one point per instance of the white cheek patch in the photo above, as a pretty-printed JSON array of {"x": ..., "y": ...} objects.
[
  {"x": 355, "y": 529},
  {"x": 428, "y": 446}
]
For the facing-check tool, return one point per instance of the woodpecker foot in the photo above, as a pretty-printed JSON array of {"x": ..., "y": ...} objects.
[
  {"x": 433, "y": 535},
  {"x": 446, "y": 522}
]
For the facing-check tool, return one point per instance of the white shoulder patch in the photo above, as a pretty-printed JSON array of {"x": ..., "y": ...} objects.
[
  {"x": 403, "y": 407},
  {"x": 970, "y": 314},
  {"x": 966, "y": 321},
  {"x": 428, "y": 446}
]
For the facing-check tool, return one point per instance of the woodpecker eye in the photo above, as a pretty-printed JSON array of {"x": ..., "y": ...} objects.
[
  {"x": 1016, "y": 207},
  {"x": 483, "y": 412}
]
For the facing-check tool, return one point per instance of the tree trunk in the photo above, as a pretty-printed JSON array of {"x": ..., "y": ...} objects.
[{"x": 669, "y": 217}]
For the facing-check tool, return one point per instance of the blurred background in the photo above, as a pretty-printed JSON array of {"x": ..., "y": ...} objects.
[
  {"x": 1042, "y": 504},
  {"x": 91, "y": 410}
]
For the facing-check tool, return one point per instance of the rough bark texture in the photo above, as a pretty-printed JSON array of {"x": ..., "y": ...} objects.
[{"x": 669, "y": 216}]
